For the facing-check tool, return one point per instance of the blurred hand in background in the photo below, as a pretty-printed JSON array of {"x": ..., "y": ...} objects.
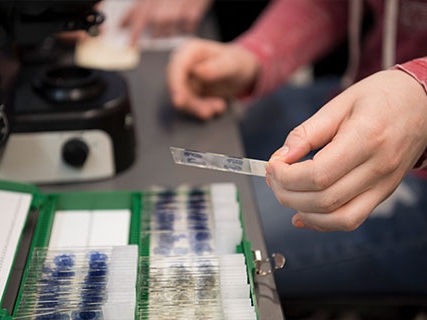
[
  {"x": 202, "y": 74},
  {"x": 164, "y": 18}
]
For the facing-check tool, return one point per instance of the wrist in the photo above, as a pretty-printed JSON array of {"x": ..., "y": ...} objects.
[{"x": 417, "y": 69}]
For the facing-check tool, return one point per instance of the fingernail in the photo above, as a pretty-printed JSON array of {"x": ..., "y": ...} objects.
[
  {"x": 280, "y": 153},
  {"x": 298, "y": 223},
  {"x": 284, "y": 150}
]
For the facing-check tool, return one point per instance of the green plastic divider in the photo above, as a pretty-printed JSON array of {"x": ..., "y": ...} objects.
[{"x": 37, "y": 200}]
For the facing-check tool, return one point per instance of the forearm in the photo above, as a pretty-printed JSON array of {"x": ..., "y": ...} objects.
[{"x": 290, "y": 34}]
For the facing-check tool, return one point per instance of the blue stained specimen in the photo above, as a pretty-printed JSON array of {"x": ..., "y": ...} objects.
[
  {"x": 63, "y": 273},
  {"x": 202, "y": 247},
  {"x": 95, "y": 285},
  {"x": 97, "y": 273},
  {"x": 233, "y": 167},
  {"x": 165, "y": 219},
  {"x": 166, "y": 238},
  {"x": 197, "y": 205},
  {"x": 167, "y": 193},
  {"x": 85, "y": 315},
  {"x": 93, "y": 290},
  {"x": 235, "y": 161},
  {"x": 196, "y": 192},
  {"x": 64, "y": 261},
  {"x": 52, "y": 316},
  {"x": 202, "y": 236},
  {"x": 55, "y": 285},
  {"x": 49, "y": 284},
  {"x": 197, "y": 216},
  {"x": 97, "y": 264},
  {"x": 92, "y": 297},
  {"x": 192, "y": 160},
  {"x": 46, "y": 269},
  {"x": 162, "y": 250},
  {"x": 198, "y": 226},
  {"x": 98, "y": 256},
  {"x": 193, "y": 154},
  {"x": 48, "y": 304}
]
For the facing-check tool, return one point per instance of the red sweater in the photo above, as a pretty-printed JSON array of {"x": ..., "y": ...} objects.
[{"x": 290, "y": 34}]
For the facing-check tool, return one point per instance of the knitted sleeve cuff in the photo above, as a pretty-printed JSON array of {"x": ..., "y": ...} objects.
[{"x": 417, "y": 68}]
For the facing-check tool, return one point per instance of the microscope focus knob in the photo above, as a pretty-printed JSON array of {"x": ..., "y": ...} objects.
[{"x": 75, "y": 152}]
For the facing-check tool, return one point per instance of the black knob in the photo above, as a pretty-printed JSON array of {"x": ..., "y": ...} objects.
[{"x": 75, "y": 152}]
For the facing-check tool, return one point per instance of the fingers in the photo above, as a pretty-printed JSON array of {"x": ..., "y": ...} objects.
[
  {"x": 125, "y": 21},
  {"x": 202, "y": 69},
  {"x": 186, "y": 87},
  {"x": 178, "y": 17},
  {"x": 161, "y": 18},
  {"x": 368, "y": 141},
  {"x": 342, "y": 206},
  {"x": 336, "y": 189},
  {"x": 346, "y": 218},
  {"x": 327, "y": 129},
  {"x": 329, "y": 199},
  {"x": 191, "y": 17},
  {"x": 165, "y": 19},
  {"x": 317, "y": 131},
  {"x": 206, "y": 108},
  {"x": 136, "y": 20},
  {"x": 192, "y": 13},
  {"x": 199, "y": 105},
  {"x": 179, "y": 69},
  {"x": 216, "y": 68},
  {"x": 229, "y": 72},
  {"x": 329, "y": 165}
]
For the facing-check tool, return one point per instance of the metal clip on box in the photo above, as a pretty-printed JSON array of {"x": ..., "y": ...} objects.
[{"x": 276, "y": 262}]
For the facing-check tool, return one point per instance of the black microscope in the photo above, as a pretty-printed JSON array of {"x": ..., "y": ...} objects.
[{"x": 59, "y": 123}]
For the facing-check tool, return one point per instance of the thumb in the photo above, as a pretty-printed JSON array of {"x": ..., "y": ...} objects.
[
  {"x": 214, "y": 69},
  {"x": 312, "y": 134}
]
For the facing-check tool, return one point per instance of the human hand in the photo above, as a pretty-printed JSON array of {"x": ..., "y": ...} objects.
[
  {"x": 72, "y": 37},
  {"x": 203, "y": 73},
  {"x": 164, "y": 18},
  {"x": 371, "y": 135}
]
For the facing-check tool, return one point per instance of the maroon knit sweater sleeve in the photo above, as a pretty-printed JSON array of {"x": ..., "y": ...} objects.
[
  {"x": 290, "y": 34},
  {"x": 417, "y": 68}
]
